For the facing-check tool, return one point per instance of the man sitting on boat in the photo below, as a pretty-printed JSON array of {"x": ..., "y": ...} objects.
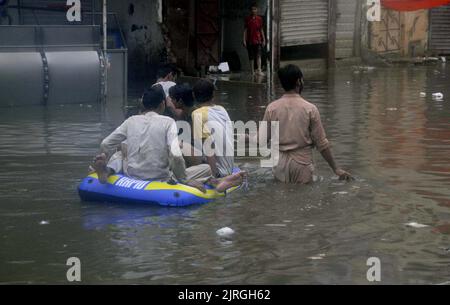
[{"x": 152, "y": 150}]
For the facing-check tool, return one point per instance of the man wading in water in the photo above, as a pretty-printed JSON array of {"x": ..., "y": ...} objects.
[{"x": 300, "y": 130}]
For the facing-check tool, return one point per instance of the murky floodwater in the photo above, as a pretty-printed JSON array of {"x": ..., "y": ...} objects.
[{"x": 395, "y": 142}]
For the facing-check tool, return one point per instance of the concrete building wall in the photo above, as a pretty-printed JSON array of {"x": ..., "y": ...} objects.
[
  {"x": 402, "y": 33},
  {"x": 139, "y": 20},
  {"x": 179, "y": 20},
  {"x": 346, "y": 28},
  {"x": 415, "y": 33},
  {"x": 13, "y": 13}
]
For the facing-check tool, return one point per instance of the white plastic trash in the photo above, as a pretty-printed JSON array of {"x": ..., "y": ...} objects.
[
  {"x": 213, "y": 69},
  {"x": 415, "y": 225},
  {"x": 438, "y": 96},
  {"x": 423, "y": 94},
  {"x": 223, "y": 67},
  {"x": 225, "y": 232}
]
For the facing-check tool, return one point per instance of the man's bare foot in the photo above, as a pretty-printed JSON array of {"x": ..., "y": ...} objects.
[
  {"x": 100, "y": 168},
  {"x": 212, "y": 181},
  {"x": 231, "y": 181}
]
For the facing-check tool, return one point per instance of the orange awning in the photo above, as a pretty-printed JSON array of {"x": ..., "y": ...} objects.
[{"x": 412, "y": 5}]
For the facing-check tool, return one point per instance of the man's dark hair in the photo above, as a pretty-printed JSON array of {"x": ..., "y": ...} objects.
[
  {"x": 175, "y": 70},
  {"x": 254, "y": 4},
  {"x": 289, "y": 75},
  {"x": 166, "y": 69},
  {"x": 153, "y": 97},
  {"x": 182, "y": 92},
  {"x": 163, "y": 71},
  {"x": 204, "y": 91}
]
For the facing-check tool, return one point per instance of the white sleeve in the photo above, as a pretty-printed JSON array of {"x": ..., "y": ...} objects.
[{"x": 178, "y": 164}]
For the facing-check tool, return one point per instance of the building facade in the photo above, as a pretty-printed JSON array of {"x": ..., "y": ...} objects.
[
  {"x": 199, "y": 33},
  {"x": 340, "y": 29}
]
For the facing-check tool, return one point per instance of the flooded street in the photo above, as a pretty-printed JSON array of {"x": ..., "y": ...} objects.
[{"x": 395, "y": 141}]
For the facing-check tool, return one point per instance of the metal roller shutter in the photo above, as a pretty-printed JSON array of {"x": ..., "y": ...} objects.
[
  {"x": 440, "y": 29},
  {"x": 345, "y": 28},
  {"x": 303, "y": 22}
]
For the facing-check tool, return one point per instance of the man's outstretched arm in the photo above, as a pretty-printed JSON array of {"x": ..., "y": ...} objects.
[
  {"x": 323, "y": 146},
  {"x": 328, "y": 156}
]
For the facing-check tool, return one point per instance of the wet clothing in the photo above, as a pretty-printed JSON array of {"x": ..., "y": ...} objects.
[
  {"x": 166, "y": 86},
  {"x": 212, "y": 124},
  {"x": 254, "y": 51},
  {"x": 300, "y": 130},
  {"x": 254, "y": 27},
  {"x": 290, "y": 171},
  {"x": 149, "y": 148},
  {"x": 201, "y": 172}
]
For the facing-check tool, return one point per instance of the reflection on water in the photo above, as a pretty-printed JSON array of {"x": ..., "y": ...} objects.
[{"x": 395, "y": 142}]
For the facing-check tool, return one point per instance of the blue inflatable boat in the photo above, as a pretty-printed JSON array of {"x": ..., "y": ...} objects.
[{"x": 126, "y": 190}]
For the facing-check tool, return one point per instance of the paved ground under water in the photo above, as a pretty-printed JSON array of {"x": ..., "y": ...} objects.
[{"x": 394, "y": 141}]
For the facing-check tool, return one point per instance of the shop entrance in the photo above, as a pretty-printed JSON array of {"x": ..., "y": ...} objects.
[{"x": 206, "y": 32}]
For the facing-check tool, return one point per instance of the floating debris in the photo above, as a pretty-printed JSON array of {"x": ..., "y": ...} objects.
[
  {"x": 364, "y": 68},
  {"x": 275, "y": 225},
  {"x": 44, "y": 222},
  {"x": 391, "y": 109},
  {"x": 217, "y": 268},
  {"x": 340, "y": 193},
  {"x": 423, "y": 94},
  {"x": 318, "y": 257},
  {"x": 416, "y": 225},
  {"x": 445, "y": 249},
  {"x": 225, "y": 232},
  {"x": 438, "y": 96}
]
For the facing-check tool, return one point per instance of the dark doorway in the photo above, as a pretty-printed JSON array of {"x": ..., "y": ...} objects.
[
  {"x": 208, "y": 32},
  {"x": 193, "y": 33}
]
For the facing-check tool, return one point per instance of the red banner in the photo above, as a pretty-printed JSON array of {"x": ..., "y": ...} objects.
[{"x": 412, "y": 5}]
